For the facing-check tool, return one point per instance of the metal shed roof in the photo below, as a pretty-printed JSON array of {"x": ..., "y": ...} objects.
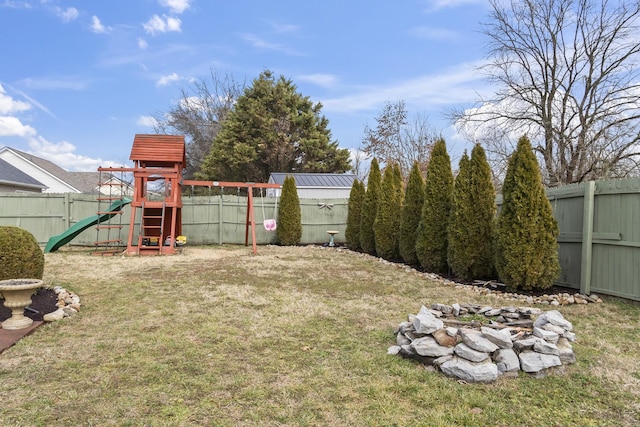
[{"x": 325, "y": 180}]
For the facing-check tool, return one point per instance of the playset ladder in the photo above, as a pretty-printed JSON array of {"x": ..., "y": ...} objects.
[
  {"x": 151, "y": 233},
  {"x": 109, "y": 245}
]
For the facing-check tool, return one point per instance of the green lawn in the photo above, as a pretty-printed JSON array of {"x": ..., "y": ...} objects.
[{"x": 293, "y": 336}]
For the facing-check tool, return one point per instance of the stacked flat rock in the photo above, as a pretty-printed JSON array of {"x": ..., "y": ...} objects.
[
  {"x": 68, "y": 304},
  {"x": 475, "y": 351}
]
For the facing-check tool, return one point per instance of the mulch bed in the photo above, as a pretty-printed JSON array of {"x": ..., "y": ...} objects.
[{"x": 42, "y": 302}]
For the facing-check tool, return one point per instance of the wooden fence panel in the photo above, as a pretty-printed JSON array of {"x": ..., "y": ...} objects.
[
  {"x": 320, "y": 216},
  {"x": 615, "y": 264},
  {"x": 205, "y": 219},
  {"x": 41, "y": 214},
  {"x": 567, "y": 203}
]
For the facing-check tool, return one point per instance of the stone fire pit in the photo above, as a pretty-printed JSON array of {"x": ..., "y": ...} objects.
[{"x": 496, "y": 342}]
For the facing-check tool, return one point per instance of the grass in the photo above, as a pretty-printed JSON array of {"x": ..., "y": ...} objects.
[{"x": 293, "y": 336}]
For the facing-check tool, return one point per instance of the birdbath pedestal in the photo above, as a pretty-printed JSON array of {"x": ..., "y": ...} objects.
[
  {"x": 17, "y": 296},
  {"x": 332, "y": 233}
]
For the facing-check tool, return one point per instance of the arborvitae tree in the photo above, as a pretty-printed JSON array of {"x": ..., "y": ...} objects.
[
  {"x": 485, "y": 213},
  {"x": 289, "y": 229},
  {"x": 356, "y": 201},
  {"x": 386, "y": 226},
  {"x": 431, "y": 242},
  {"x": 370, "y": 209},
  {"x": 399, "y": 185},
  {"x": 410, "y": 216},
  {"x": 471, "y": 230},
  {"x": 526, "y": 245}
]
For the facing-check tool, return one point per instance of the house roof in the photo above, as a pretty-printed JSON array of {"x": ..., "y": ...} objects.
[
  {"x": 83, "y": 182},
  {"x": 324, "y": 180},
  {"x": 87, "y": 182},
  {"x": 12, "y": 175},
  {"x": 159, "y": 150}
]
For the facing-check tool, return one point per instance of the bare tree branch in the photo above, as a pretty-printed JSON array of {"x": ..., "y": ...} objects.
[
  {"x": 395, "y": 139},
  {"x": 568, "y": 75},
  {"x": 199, "y": 115}
]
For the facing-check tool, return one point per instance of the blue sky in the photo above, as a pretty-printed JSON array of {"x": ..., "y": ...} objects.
[{"x": 79, "y": 79}]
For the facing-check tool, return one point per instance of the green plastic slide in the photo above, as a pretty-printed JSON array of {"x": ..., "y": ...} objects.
[{"x": 55, "y": 242}]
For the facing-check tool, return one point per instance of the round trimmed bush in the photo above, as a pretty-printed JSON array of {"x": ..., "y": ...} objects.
[{"x": 20, "y": 254}]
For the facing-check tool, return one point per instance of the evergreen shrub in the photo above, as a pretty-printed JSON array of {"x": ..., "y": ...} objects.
[
  {"x": 526, "y": 244},
  {"x": 370, "y": 209},
  {"x": 289, "y": 231},
  {"x": 387, "y": 222},
  {"x": 432, "y": 240},
  {"x": 356, "y": 200},
  {"x": 472, "y": 226},
  {"x": 20, "y": 254},
  {"x": 410, "y": 215}
]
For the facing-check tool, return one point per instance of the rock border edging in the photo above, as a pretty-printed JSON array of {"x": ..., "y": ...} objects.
[
  {"x": 68, "y": 305},
  {"x": 490, "y": 287}
]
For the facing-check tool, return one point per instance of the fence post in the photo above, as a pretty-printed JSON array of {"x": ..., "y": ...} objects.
[
  {"x": 66, "y": 219},
  {"x": 221, "y": 218},
  {"x": 587, "y": 237}
]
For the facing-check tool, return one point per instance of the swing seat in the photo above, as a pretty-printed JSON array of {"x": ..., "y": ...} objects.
[{"x": 269, "y": 224}]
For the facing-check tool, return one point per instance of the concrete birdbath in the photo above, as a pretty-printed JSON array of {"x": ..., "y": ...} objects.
[{"x": 17, "y": 296}]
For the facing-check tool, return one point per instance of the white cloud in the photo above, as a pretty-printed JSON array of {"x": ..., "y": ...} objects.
[
  {"x": 97, "y": 26},
  {"x": 16, "y": 4},
  {"x": 284, "y": 28},
  {"x": 165, "y": 80},
  {"x": 67, "y": 15},
  {"x": 142, "y": 43},
  {"x": 259, "y": 43},
  {"x": 139, "y": 57},
  {"x": 433, "y": 5},
  {"x": 432, "y": 33},
  {"x": 8, "y": 105},
  {"x": 323, "y": 80},
  {"x": 360, "y": 162},
  {"x": 454, "y": 86},
  {"x": 489, "y": 120},
  {"x": 12, "y": 126},
  {"x": 176, "y": 6},
  {"x": 63, "y": 154},
  {"x": 156, "y": 24},
  {"x": 64, "y": 83},
  {"x": 146, "y": 121},
  {"x": 193, "y": 103}
]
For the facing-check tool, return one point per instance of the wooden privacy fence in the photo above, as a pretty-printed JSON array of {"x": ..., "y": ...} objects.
[
  {"x": 599, "y": 241},
  {"x": 216, "y": 219}
]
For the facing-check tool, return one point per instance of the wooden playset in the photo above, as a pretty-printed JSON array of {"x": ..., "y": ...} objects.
[{"x": 159, "y": 161}]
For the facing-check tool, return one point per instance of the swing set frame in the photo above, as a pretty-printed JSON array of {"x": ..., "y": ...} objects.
[{"x": 250, "y": 220}]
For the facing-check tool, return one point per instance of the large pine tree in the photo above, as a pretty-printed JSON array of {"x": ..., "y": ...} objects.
[
  {"x": 272, "y": 128},
  {"x": 370, "y": 209},
  {"x": 471, "y": 230},
  {"x": 432, "y": 240},
  {"x": 526, "y": 244},
  {"x": 386, "y": 226},
  {"x": 410, "y": 216},
  {"x": 356, "y": 200}
]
